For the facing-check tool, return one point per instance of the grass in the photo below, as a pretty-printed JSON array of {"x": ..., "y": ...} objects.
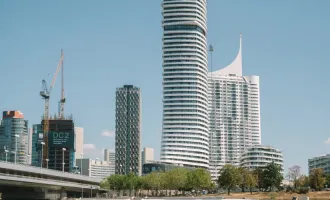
[{"x": 279, "y": 195}]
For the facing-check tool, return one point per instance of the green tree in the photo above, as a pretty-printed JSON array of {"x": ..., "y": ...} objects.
[
  {"x": 176, "y": 179},
  {"x": 317, "y": 180},
  {"x": 243, "y": 174},
  {"x": 157, "y": 181},
  {"x": 272, "y": 176},
  {"x": 198, "y": 179},
  {"x": 229, "y": 178},
  {"x": 146, "y": 183},
  {"x": 259, "y": 174},
  {"x": 251, "y": 181}
]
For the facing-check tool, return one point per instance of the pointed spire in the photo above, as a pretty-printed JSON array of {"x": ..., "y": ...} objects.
[
  {"x": 240, "y": 42},
  {"x": 236, "y": 66}
]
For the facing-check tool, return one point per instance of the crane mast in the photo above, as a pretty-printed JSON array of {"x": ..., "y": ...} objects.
[
  {"x": 45, "y": 94},
  {"x": 62, "y": 101}
]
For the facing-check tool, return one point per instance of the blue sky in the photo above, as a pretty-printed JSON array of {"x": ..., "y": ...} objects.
[{"x": 111, "y": 43}]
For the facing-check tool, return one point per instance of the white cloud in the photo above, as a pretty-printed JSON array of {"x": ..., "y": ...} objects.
[
  {"x": 89, "y": 146},
  {"x": 108, "y": 133},
  {"x": 327, "y": 141}
]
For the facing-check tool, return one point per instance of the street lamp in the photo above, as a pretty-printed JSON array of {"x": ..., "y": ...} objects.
[
  {"x": 16, "y": 136},
  {"x": 81, "y": 173},
  {"x": 6, "y": 151},
  {"x": 42, "y": 153},
  {"x": 47, "y": 160},
  {"x": 63, "y": 149}
]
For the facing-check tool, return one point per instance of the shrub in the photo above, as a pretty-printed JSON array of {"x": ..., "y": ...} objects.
[
  {"x": 303, "y": 190},
  {"x": 289, "y": 189}
]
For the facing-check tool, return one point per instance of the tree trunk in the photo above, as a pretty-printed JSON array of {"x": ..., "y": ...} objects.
[
  {"x": 228, "y": 191},
  {"x": 251, "y": 190}
]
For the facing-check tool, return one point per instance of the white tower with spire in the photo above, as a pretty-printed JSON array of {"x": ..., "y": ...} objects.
[{"x": 234, "y": 111}]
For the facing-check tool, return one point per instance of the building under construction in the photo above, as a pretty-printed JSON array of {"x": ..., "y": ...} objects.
[
  {"x": 61, "y": 145},
  {"x": 54, "y": 138}
]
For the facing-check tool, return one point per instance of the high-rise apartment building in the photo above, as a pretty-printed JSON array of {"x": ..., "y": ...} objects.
[
  {"x": 234, "y": 111},
  {"x": 110, "y": 157},
  {"x": 147, "y": 155},
  {"x": 128, "y": 130},
  {"x": 14, "y": 137},
  {"x": 79, "y": 133},
  {"x": 185, "y": 135}
]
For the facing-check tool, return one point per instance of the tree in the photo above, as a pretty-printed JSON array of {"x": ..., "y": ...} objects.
[
  {"x": 272, "y": 176},
  {"x": 327, "y": 180},
  {"x": 176, "y": 179},
  {"x": 198, "y": 179},
  {"x": 157, "y": 181},
  {"x": 259, "y": 175},
  {"x": 243, "y": 174},
  {"x": 251, "y": 181},
  {"x": 229, "y": 178},
  {"x": 317, "y": 180},
  {"x": 294, "y": 174},
  {"x": 303, "y": 181}
]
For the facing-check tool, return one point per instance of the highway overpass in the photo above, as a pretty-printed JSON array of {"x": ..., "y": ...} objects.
[{"x": 22, "y": 182}]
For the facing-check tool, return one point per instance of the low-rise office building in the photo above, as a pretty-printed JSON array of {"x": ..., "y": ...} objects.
[
  {"x": 93, "y": 168},
  {"x": 322, "y": 162}
]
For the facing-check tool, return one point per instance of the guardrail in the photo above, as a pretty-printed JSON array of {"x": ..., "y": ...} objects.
[
  {"x": 13, "y": 177},
  {"x": 38, "y": 170}
]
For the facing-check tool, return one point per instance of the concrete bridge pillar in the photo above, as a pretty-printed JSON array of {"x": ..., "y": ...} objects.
[{"x": 25, "y": 193}]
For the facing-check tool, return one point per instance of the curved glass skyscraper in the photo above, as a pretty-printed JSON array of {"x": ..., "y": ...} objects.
[{"x": 185, "y": 137}]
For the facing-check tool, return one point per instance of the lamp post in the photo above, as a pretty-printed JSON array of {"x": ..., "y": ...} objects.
[
  {"x": 16, "y": 136},
  {"x": 42, "y": 153},
  {"x": 47, "y": 160},
  {"x": 63, "y": 149},
  {"x": 6, "y": 151},
  {"x": 81, "y": 173}
]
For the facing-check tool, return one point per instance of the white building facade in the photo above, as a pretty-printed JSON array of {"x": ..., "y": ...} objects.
[
  {"x": 185, "y": 134},
  {"x": 110, "y": 157},
  {"x": 234, "y": 110},
  {"x": 93, "y": 168},
  {"x": 147, "y": 155},
  {"x": 260, "y": 156},
  {"x": 79, "y": 142}
]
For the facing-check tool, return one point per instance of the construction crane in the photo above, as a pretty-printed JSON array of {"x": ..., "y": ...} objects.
[
  {"x": 62, "y": 101},
  {"x": 45, "y": 94}
]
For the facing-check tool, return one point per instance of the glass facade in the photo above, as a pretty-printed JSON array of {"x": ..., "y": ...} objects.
[
  {"x": 159, "y": 167},
  {"x": 14, "y": 137}
]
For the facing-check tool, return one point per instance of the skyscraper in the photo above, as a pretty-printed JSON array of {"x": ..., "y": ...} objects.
[
  {"x": 234, "y": 111},
  {"x": 185, "y": 135},
  {"x": 14, "y": 137},
  {"x": 128, "y": 130},
  {"x": 147, "y": 155}
]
